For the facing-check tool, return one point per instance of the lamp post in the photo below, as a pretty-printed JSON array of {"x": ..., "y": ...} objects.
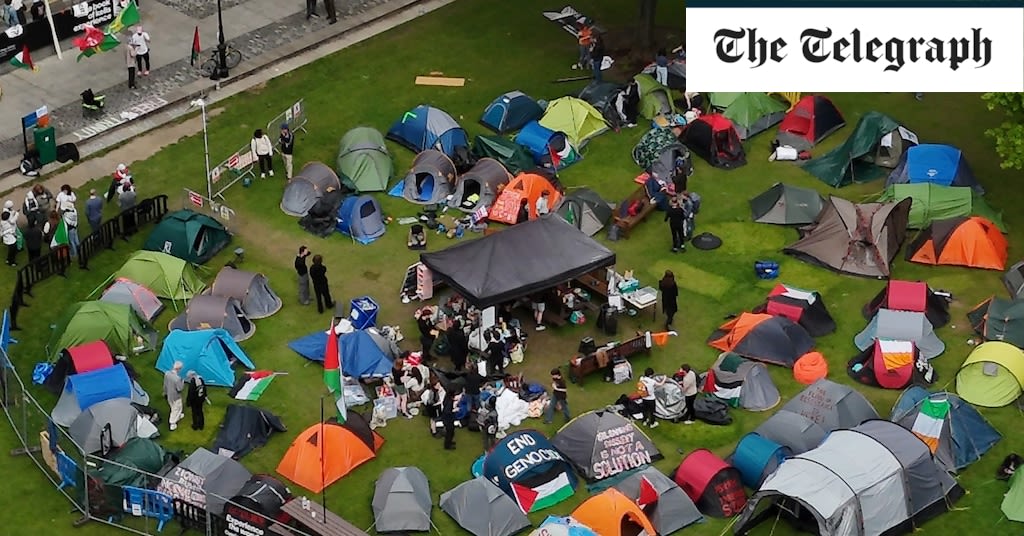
[
  {"x": 221, "y": 71},
  {"x": 206, "y": 148}
]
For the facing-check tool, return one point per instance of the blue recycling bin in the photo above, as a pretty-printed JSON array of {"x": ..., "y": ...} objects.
[{"x": 363, "y": 313}]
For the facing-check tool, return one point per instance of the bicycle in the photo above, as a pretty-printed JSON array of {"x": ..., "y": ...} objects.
[{"x": 232, "y": 57}]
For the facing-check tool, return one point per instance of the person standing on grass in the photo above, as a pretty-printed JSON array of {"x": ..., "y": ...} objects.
[
  {"x": 303, "y": 273},
  {"x": 173, "y": 385},
  {"x": 31, "y": 208},
  {"x": 675, "y": 215},
  {"x": 458, "y": 345},
  {"x": 34, "y": 241},
  {"x": 44, "y": 197},
  {"x": 428, "y": 333},
  {"x": 9, "y": 234},
  {"x": 597, "y": 56},
  {"x": 318, "y": 275},
  {"x": 488, "y": 420},
  {"x": 584, "y": 37},
  {"x": 539, "y": 303},
  {"x": 559, "y": 397},
  {"x": 126, "y": 202},
  {"x": 496, "y": 355},
  {"x": 263, "y": 152},
  {"x": 130, "y": 58},
  {"x": 287, "y": 142},
  {"x": 70, "y": 216},
  {"x": 669, "y": 297},
  {"x": 448, "y": 420},
  {"x": 94, "y": 211},
  {"x": 65, "y": 196},
  {"x": 689, "y": 385},
  {"x": 646, "y": 387},
  {"x": 140, "y": 42},
  {"x": 196, "y": 398}
]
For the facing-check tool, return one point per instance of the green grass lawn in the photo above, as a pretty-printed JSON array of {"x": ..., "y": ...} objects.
[{"x": 498, "y": 48}]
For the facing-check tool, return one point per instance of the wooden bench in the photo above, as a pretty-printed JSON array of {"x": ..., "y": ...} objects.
[
  {"x": 623, "y": 220},
  {"x": 324, "y": 525},
  {"x": 586, "y": 365},
  {"x": 596, "y": 282}
]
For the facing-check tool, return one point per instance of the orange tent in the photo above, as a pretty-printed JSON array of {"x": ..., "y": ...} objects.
[
  {"x": 974, "y": 242},
  {"x": 325, "y": 452},
  {"x": 527, "y": 186},
  {"x": 763, "y": 337},
  {"x": 611, "y": 513}
]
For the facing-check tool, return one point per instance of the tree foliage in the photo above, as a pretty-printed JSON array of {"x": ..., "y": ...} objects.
[{"x": 1009, "y": 136}]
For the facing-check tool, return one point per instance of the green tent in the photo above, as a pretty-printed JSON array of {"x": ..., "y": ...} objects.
[
  {"x": 846, "y": 164},
  {"x": 167, "y": 276},
  {"x": 721, "y": 101},
  {"x": 992, "y": 376},
  {"x": 998, "y": 319},
  {"x": 1013, "y": 501},
  {"x": 364, "y": 163},
  {"x": 937, "y": 202},
  {"x": 188, "y": 235},
  {"x": 575, "y": 118},
  {"x": 129, "y": 465},
  {"x": 115, "y": 323},
  {"x": 783, "y": 204},
  {"x": 655, "y": 99},
  {"x": 753, "y": 113},
  {"x": 513, "y": 156}
]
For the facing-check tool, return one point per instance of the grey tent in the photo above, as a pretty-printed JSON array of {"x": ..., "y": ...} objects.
[
  {"x": 212, "y": 312},
  {"x": 604, "y": 96},
  {"x": 482, "y": 509},
  {"x": 250, "y": 289},
  {"x": 744, "y": 383},
  {"x": 856, "y": 239},
  {"x": 430, "y": 179},
  {"x": 401, "y": 501},
  {"x": 822, "y": 407},
  {"x": 363, "y": 160},
  {"x": 585, "y": 209},
  {"x": 998, "y": 319},
  {"x": 1014, "y": 280},
  {"x": 673, "y": 510},
  {"x": 206, "y": 480},
  {"x": 891, "y": 325},
  {"x": 109, "y": 424},
  {"x": 127, "y": 292},
  {"x": 83, "y": 390},
  {"x": 585, "y": 441},
  {"x": 669, "y": 402},
  {"x": 385, "y": 343},
  {"x": 526, "y": 258},
  {"x": 307, "y": 187},
  {"x": 876, "y": 478},
  {"x": 783, "y": 204},
  {"x": 479, "y": 186}
]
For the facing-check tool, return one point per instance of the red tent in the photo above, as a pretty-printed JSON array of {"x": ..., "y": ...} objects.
[
  {"x": 713, "y": 485},
  {"x": 713, "y": 137},
  {"x": 913, "y": 296},
  {"x": 809, "y": 122},
  {"x": 78, "y": 359}
]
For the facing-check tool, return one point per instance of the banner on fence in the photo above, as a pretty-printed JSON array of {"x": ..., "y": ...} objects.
[
  {"x": 199, "y": 201},
  {"x": 294, "y": 116},
  {"x": 233, "y": 169}
]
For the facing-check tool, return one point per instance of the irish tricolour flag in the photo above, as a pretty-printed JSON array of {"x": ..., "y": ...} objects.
[{"x": 928, "y": 425}]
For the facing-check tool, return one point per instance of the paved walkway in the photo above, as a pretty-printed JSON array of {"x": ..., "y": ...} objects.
[{"x": 255, "y": 27}]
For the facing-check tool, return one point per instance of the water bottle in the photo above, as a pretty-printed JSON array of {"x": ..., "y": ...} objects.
[{"x": 305, "y": 503}]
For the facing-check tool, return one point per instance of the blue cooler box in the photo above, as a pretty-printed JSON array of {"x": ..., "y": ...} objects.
[{"x": 364, "y": 313}]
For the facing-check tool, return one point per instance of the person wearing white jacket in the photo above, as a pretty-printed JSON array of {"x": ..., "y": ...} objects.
[
  {"x": 263, "y": 151},
  {"x": 9, "y": 232}
]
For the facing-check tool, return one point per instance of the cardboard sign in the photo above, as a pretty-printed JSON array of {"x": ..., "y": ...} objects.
[
  {"x": 620, "y": 449},
  {"x": 195, "y": 198}
]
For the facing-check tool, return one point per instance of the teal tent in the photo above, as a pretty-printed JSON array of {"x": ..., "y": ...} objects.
[
  {"x": 854, "y": 160},
  {"x": 936, "y": 202},
  {"x": 188, "y": 235},
  {"x": 211, "y": 353},
  {"x": 364, "y": 163}
]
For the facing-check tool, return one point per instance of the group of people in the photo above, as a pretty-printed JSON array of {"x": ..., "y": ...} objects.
[
  {"x": 591, "y": 48},
  {"x": 137, "y": 55},
  {"x": 649, "y": 383},
  {"x": 48, "y": 218},
  {"x": 196, "y": 396},
  {"x": 541, "y": 207},
  {"x": 263, "y": 150},
  {"x": 315, "y": 274}
]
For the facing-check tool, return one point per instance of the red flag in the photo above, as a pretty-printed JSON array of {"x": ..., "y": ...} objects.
[
  {"x": 91, "y": 38},
  {"x": 648, "y": 495},
  {"x": 196, "y": 49},
  {"x": 555, "y": 157}
]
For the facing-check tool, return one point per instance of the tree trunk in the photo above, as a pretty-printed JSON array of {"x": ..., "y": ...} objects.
[{"x": 645, "y": 30}]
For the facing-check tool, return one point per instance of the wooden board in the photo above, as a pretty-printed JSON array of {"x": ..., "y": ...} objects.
[{"x": 440, "y": 81}]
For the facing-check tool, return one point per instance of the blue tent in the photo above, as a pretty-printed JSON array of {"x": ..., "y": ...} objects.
[
  {"x": 756, "y": 458},
  {"x": 966, "y": 435},
  {"x": 209, "y": 352},
  {"x": 361, "y": 218},
  {"x": 528, "y": 468},
  {"x": 541, "y": 141},
  {"x": 361, "y": 357},
  {"x": 934, "y": 163},
  {"x": 426, "y": 127},
  {"x": 510, "y": 112},
  {"x": 84, "y": 390}
]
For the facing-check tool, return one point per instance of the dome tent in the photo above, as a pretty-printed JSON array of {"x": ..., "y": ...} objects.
[
  {"x": 585, "y": 209},
  {"x": 756, "y": 458},
  {"x": 76, "y": 359},
  {"x": 525, "y": 186},
  {"x": 610, "y": 513},
  {"x": 514, "y": 157},
  {"x": 915, "y": 296},
  {"x": 713, "y": 485},
  {"x": 714, "y": 139},
  {"x": 479, "y": 507},
  {"x": 212, "y": 353},
  {"x": 307, "y": 187},
  {"x": 964, "y": 435},
  {"x": 326, "y": 451},
  {"x": 750, "y": 113},
  {"x": 431, "y": 178},
  {"x": 479, "y": 186},
  {"x": 655, "y": 99},
  {"x": 188, "y": 235},
  {"x": 783, "y": 204},
  {"x": 742, "y": 383},
  {"x": 543, "y": 142},
  {"x": 889, "y": 325},
  {"x": 509, "y": 112},
  {"x": 811, "y": 120},
  {"x": 127, "y": 292},
  {"x": 213, "y": 312},
  {"x": 167, "y": 276},
  {"x": 426, "y": 127},
  {"x": 763, "y": 337},
  {"x": 819, "y": 409},
  {"x": 361, "y": 218},
  {"x": 529, "y": 469},
  {"x": 672, "y": 510},
  {"x": 250, "y": 289},
  {"x": 587, "y": 441},
  {"x": 937, "y": 164},
  {"x": 83, "y": 322},
  {"x": 992, "y": 376},
  {"x": 402, "y": 501},
  {"x": 364, "y": 163},
  {"x": 605, "y": 98},
  {"x": 576, "y": 118}
]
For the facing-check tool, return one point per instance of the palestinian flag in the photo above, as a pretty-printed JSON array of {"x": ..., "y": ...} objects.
[
  {"x": 332, "y": 372},
  {"x": 109, "y": 42},
  {"x": 196, "y": 49},
  {"x": 253, "y": 385},
  {"x": 60, "y": 236},
  {"x": 23, "y": 60},
  {"x": 929, "y": 422},
  {"x": 129, "y": 16},
  {"x": 544, "y": 495}
]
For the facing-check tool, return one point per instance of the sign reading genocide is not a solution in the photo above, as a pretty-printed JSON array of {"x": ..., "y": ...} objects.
[{"x": 621, "y": 449}]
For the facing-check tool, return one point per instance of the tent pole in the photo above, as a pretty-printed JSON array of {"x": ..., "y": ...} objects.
[{"x": 323, "y": 490}]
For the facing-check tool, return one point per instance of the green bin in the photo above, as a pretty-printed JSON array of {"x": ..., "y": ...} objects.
[{"x": 46, "y": 144}]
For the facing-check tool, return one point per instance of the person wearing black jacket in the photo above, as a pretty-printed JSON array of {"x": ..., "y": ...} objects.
[
  {"x": 458, "y": 345},
  {"x": 196, "y": 398},
  {"x": 287, "y": 143},
  {"x": 428, "y": 333},
  {"x": 597, "y": 56},
  {"x": 303, "y": 273},
  {"x": 318, "y": 275},
  {"x": 669, "y": 297},
  {"x": 474, "y": 381},
  {"x": 34, "y": 241},
  {"x": 496, "y": 356},
  {"x": 448, "y": 419},
  {"x": 676, "y": 218}
]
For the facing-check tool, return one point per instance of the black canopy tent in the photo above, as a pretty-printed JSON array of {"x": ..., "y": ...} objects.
[{"x": 523, "y": 259}]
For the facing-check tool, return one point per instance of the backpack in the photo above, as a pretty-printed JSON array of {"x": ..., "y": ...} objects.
[{"x": 641, "y": 389}]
